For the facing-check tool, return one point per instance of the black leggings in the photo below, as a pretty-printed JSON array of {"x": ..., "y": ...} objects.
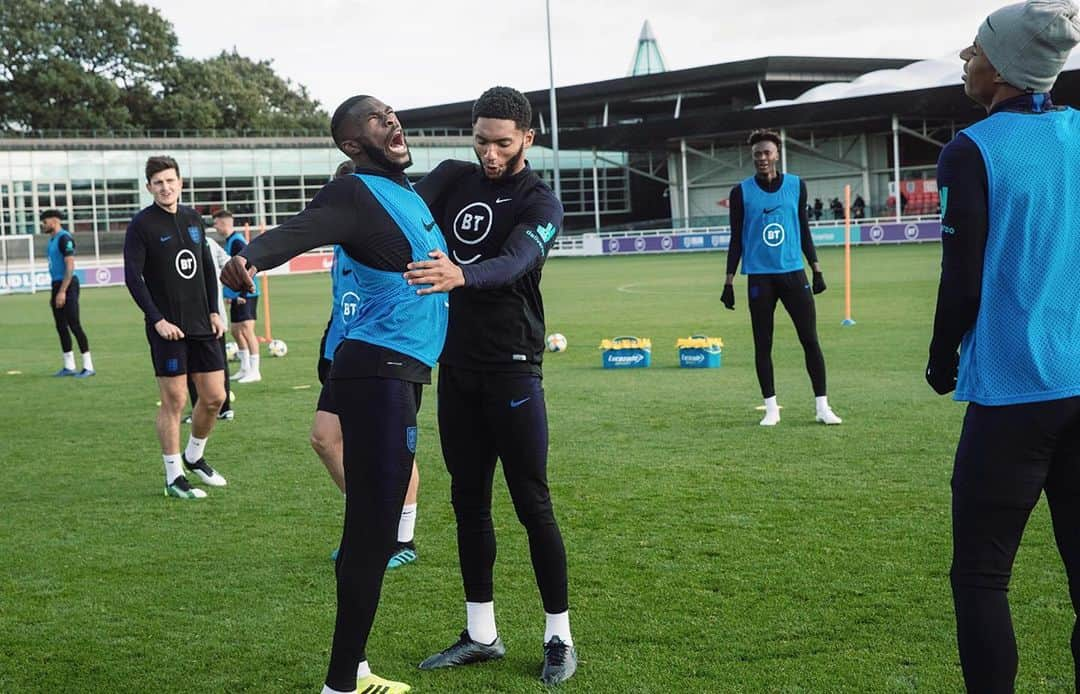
[
  {"x": 487, "y": 416},
  {"x": 225, "y": 404},
  {"x": 67, "y": 318},
  {"x": 793, "y": 290},
  {"x": 378, "y": 426},
  {"x": 1005, "y": 459}
]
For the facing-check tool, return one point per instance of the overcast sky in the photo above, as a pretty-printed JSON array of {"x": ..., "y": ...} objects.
[{"x": 429, "y": 52}]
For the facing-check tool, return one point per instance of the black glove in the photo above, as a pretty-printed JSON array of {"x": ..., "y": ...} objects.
[
  {"x": 727, "y": 298},
  {"x": 819, "y": 283},
  {"x": 941, "y": 372}
]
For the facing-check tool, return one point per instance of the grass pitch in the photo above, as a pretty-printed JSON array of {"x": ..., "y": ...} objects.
[{"x": 707, "y": 554}]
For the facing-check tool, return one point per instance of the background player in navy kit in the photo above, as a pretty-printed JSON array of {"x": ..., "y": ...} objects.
[
  {"x": 766, "y": 209},
  {"x": 326, "y": 429},
  {"x": 64, "y": 300},
  {"x": 169, "y": 272},
  {"x": 226, "y": 412},
  {"x": 501, "y": 221},
  {"x": 243, "y": 307},
  {"x": 1007, "y": 300},
  {"x": 381, "y": 225}
]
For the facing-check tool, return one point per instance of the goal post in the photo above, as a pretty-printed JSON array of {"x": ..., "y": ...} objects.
[{"x": 20, "y": 271}]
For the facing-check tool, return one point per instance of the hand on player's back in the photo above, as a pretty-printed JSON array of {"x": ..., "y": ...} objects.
[
  {"x": 441, "y": 273},
  {"x": 237, "y": 274}
]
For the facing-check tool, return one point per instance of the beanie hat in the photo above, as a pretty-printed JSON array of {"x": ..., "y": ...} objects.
[{"x": 1029, "y": 42}]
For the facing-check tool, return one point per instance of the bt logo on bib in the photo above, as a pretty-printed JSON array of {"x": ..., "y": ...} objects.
[
  {"x": 773, "y": 235},
  {"x": 350, "y": 305}
]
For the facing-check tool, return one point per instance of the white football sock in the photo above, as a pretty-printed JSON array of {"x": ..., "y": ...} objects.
[
  {"x": 772, "y": 412},
  {"x": 558, "y": 625},
  {"x": 245, "y": 359},
  {"x": 407, "y": 524},
  {"x": 362, "y": 670},
  {"x": 327, "y": 690},
  {"x": 195, "y": 448},
  {"x": 480, "y": 618},
  {"x": 87, "y": 362},
  {"x": 253, "y": 360},
  {"x": 172, "y": 467},
  {"x": 69, "y": 361},
  {"x": 821, "y": 402}
]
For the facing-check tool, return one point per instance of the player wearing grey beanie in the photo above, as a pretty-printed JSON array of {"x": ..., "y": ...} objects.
[
  {"x": 1006, "y": 333},
  {"x": 1029, "y": 42}
]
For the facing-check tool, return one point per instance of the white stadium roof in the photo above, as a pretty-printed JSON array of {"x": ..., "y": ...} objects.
[{"x": 924, "y": 74}]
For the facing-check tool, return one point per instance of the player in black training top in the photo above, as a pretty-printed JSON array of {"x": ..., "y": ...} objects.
[
  {"x": 381, "y": 225},
  {"x": 170, "y": 273},
  {"x": 500, "y": 221}
]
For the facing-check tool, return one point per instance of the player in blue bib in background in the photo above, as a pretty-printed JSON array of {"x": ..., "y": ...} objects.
[
  {"x": 1008, "y": 298},
  {"x": 770, "y": 232},
  {"x": 64, "y": 299},
  {"x": 243, "y": 306},
  {"x": 326, "y": 429}
]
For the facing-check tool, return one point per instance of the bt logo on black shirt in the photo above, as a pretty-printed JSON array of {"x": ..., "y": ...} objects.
[
  {"x": 471, "y": 226},
  {"x": 186, "y": 266}
]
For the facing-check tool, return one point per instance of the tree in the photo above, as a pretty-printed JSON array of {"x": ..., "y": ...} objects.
[
  {"x": 113, "y": 64},
  {"x": 231, "y": 92}
]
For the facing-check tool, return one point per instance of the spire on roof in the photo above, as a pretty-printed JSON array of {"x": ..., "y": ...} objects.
[{"x": 647, "y": 57}]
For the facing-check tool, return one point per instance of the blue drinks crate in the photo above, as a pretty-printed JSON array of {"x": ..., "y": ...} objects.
[
  {"x": 700, "y": 352},
  {"x": 626, "y": 352}
]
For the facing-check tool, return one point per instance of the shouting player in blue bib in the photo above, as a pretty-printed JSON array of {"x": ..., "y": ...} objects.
[
  {"x": 381, "y": 225},
  {"x": 326, "y": 429}
]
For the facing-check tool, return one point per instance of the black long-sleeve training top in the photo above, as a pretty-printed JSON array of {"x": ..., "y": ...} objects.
[
  {"x": 169, "y": 270},
  {"x": 499, "y": 233}
]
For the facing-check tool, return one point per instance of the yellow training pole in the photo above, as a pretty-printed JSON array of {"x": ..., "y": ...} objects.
[{"x": 848, "y": 320}]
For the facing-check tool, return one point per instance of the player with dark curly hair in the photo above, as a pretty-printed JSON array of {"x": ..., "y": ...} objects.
[{"x": 500, "y": 221}]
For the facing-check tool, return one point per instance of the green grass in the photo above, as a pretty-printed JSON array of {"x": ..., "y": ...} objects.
[{"x": 706, "y": 553}]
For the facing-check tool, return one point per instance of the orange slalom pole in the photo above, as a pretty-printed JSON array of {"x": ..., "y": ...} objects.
[
  {"x": 848, "y": 320},
  {"x": 265, "y": 281}
]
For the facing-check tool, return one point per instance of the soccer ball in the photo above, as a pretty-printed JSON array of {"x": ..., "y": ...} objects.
[
  {"x": 278, "y": 348},
  {"x": 556, "y": 342},
  {"x": 232, "y": 351}
]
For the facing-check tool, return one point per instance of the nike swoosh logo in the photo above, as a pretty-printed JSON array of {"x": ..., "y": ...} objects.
[
  {"x": 502, "y": 200},
  {"x": 394, "y": 363},
  {"x": 519, "y": 403},
  {"x": 346, "y": 272},
  {"x": 768, "y": 211},
  {"x": 428, "y": 226},
  {"x": 165, "y": 238}
]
